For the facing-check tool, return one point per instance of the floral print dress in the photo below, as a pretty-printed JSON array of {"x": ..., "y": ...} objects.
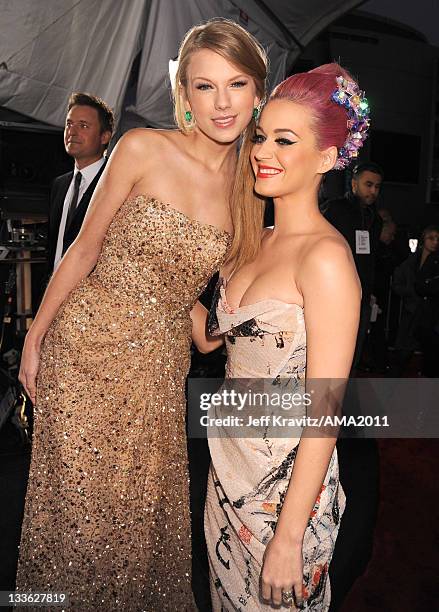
[{"x": 249, "y": 476}]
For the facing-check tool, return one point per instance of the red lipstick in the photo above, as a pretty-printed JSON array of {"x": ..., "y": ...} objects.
[{"x": 267, "y": 171}]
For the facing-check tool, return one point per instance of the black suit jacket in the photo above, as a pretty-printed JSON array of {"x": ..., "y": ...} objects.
[
  {"x": 57, "y": 196},
  {"x": 347, "y": 215}
]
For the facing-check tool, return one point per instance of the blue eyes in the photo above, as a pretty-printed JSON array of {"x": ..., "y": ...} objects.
[
  {"x": 259, "y": 139},
  {"x": 235, "y": 85},
  {"x": 239, "y": 84}
]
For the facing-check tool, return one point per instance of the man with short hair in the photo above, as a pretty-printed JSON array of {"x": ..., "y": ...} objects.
[
  {"x": 356, "y": 217},
  {"x": 87, "y": 132}
]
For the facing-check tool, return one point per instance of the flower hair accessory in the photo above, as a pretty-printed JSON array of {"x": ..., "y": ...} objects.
[{"x": 349, "y": 95}]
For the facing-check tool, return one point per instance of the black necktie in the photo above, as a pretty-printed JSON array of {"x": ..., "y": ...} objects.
[{"x": 74, "y": 200}]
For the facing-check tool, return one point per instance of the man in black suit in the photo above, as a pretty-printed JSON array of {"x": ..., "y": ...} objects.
[
  {"x": 88, "y": 130},
  {"x": 355, "y": 216}
]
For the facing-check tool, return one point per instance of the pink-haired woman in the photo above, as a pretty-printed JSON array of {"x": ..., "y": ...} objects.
[{"x": 289, "y": 308}]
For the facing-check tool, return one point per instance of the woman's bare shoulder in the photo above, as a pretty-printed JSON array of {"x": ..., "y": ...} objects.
[
  {"x": 328, "y": 251},
  {"x": 328, "y": 240},
  {"x": 139, "y": 138},
  {"x": 328, "y": 268},
  {"x": 143, "y": 148}
]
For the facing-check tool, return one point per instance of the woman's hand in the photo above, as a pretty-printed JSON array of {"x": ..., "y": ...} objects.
[
  {"x": 30, "y": 361},
  {"x": 204, "y": 342},
  {"x": 282, "y": 571}
]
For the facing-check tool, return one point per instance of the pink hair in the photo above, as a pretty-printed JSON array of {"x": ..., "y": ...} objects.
[{"x": 314, "y": 89}]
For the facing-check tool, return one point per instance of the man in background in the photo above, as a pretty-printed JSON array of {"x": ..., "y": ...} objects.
[
  {"x": 87, "y": 132},
  {"x": 356, "y": 217}
]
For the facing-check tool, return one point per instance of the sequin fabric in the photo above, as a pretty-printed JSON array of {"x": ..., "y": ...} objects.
[{"x": 107, "y": 509}]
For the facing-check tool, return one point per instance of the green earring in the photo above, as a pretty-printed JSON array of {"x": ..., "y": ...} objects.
[
  {"x": 188, "y": 116},
  {"x": 255, "y": 113}
]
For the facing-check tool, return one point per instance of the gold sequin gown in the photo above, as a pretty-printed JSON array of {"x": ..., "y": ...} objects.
[{"x": 107, "y": 508}]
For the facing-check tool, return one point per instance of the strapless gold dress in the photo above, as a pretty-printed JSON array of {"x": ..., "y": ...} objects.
[{"x": 107, "y": 508}]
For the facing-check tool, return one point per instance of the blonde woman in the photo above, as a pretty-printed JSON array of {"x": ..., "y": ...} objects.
[{"x": 107, "y": 510}]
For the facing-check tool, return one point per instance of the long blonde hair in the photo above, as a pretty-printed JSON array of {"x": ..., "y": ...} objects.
[
  {"x": 229, "y": 40},
  {"x": 247, "y": 208},
  {"x": 241, "y": 49}
]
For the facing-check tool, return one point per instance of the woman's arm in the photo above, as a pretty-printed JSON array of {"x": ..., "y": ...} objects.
[
  {"x": 332, "y": 294},
  {"x": 124, "y": 169},
  {"x": 200, "y": 336}
]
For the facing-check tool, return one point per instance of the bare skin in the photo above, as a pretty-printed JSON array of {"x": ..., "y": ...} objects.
[
  {"x": 304, "y": 261},
  {"x": 367, "y": 187},
  {"x": 191, "y": 173},
  {"x": 431, "y": 245}
]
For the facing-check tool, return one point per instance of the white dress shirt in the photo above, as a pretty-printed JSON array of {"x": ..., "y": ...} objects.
[{"x": 88, "y": 174}]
